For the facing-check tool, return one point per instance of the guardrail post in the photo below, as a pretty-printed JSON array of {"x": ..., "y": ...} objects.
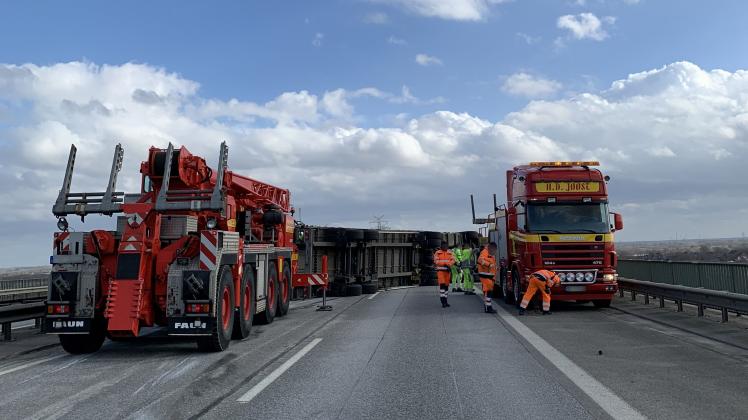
[
  {"x": 7, "y": 331},
  {"x": 724, "y": 314},
  {"x": 662, "y": 302},
  {"x": 633, "y": 295},
  {"x": 680, "y": 305},
  {"x": 700, "y": 310},
  {"x": 646, "y": 298},
  {"x": 620, "y": 291}
]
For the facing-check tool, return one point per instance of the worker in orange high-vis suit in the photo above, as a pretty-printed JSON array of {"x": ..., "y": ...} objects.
[
  {"x": 542, "y": 281},
  {"x": 487, "y": 274},
  {"x": 444, "y": 260}
]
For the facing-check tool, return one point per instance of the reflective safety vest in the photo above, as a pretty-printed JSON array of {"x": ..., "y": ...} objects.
[
  {"x": 486, "y": 264},
  {"x": 548, "y": 277},
  {"x": 466, "y": 258},
  {"x": 443, "y": 260}
]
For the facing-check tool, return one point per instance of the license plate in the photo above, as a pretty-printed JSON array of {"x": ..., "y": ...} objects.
[{"x": 576, "y": 288}]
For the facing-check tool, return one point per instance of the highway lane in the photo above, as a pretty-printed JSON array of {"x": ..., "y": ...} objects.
[{"x": 396, "y": 355}]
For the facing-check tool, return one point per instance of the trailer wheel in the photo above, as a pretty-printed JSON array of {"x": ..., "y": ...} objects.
[
  {"x": 354, "y": 235},
  {"x": 369, "y": 288},
  {"x": 498, "y": 292},
  {"x": 268, "y": 315},
  {"x": 432, "y": 243},
  {"x": 353, "y": 290},
  {"x": 220, "y": 337},
  {"x": 602, "y": 303},
  {"x": 371, "y": 235},
  {"x": 509, "y": 294},
  {"x": 85, "y": 343},
  {"x": 244, "y": 316},
  {"x": 284, "y": 291}
]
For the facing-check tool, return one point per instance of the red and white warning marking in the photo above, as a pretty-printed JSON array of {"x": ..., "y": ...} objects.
[{"x": 208, "y": 250}]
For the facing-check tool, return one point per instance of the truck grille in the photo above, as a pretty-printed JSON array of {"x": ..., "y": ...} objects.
[{"x": 576, "y": 255}]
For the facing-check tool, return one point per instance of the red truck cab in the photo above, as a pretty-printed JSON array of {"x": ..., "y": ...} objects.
[{"x": 556, "y": 217}]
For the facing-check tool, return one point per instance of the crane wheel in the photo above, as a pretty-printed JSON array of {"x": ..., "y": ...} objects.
[
  {"x": 268, "y": 315},
  {"x": 284, "y": 291},
  {"x": 244, "y": 316},
  {"x": 220, "y": 337},
  {"x": 509, "y": 294},
  {"x": 85, "y": 343}
]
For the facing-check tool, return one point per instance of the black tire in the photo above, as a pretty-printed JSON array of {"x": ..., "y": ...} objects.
[
  {"x": 603, "y": 303},
  {"x": 434, "y": 235},
  {"x": 353, "y": 290},
  {"x": 271, "y": 297},
  {"x": 245, "y": 313},
  {"x": 499, "y": 289},
  {"x": 220, "y": 338},
  {"x": 272, "y": 217},
  {"x": 433, "y": 243},
  {"x": 516, "y": 288},
  {"x": 508, "y": 294},
  {"x": 284, "y": 291},
  {"x": 85, "y": 343},
  {"x": 369, "y": 288},
  {"x": 354, "y": 235},
  {"x": 371, "y": 235}
]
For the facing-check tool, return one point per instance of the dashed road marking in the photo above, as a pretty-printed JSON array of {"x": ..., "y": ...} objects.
[
  {"x": 257, "y": 389},
  {"x": 373, "y": 296}
]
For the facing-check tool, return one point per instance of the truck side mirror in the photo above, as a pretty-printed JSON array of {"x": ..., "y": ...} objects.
[{"x": 617, "y": 221}]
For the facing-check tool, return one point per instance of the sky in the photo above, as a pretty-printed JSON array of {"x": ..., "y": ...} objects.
[{"x": 393, "y": 108}]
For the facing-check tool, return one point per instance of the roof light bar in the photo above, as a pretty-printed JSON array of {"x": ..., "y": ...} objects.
[{"x": 559, "y": 163}]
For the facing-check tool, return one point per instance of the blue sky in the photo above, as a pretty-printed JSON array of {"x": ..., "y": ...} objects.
[
  {"x": 253, "y": 50},
  {"x": 399, "y": 108}
]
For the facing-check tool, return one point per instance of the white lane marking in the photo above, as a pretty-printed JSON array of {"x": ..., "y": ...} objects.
[
  {"x": 604, "y": 397},
  {"x": 373, "y": 296},
  {"x": 255, "y": 390},
  {"x": 26, "y": 365},
  {"x": 401, "y": 287}
]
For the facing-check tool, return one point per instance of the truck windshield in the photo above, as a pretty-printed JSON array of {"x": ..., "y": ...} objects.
[{"x": 568, "y": 218}]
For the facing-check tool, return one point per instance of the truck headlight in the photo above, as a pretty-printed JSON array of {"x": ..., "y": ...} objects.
[
  {"x": 211, "y": 223},
  {"x": 580, "y": 276},
  {"x": 589, "y": 277},
  {"x": 609, "y": 278},
  {"x": 562, "y": 276}
]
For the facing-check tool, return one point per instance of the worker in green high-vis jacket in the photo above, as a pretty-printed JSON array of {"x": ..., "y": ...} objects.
[
  {"x": 455, "y": 270},
  {"x": 467, "y": 266}
]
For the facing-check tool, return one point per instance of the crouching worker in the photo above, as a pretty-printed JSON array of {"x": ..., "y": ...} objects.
[
  {"x": 487, "y": 274},
  {"x": 443, "y": 260},
  {"x": 542, "y": 281}
]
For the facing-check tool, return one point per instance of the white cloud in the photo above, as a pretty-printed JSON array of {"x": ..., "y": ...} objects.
[
  {"x": 396, "y": 41},
  {"x": 317, "y": 40},
  {"x": 463, "y": 10},
  {"x": 585, "y": 26},
  {"x": 673, "y": 135},
  {"x": 376, "y": 18},
  {"x": 530, "y": 86},
  {"x": 427, "y": 60},
  {"x": 529, "y": 39}
]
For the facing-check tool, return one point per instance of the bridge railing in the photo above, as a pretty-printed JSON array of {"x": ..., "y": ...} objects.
[{"x": 729, "y": 277}]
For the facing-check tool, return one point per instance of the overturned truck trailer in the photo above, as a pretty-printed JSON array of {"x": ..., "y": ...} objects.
[{"x": 365, "y": 260}]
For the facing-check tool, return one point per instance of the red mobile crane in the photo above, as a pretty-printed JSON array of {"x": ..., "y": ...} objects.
[
  {"x": 556, "y": 218},
  {"x": 204, "y": 253}
]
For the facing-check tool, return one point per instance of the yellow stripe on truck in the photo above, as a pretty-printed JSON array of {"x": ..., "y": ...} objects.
[{"x": 561, "y": 237}]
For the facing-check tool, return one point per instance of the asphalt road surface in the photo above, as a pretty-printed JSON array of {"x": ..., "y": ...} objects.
[{"x": 398, "y": 354}]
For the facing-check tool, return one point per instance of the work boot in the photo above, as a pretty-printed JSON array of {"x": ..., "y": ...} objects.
[
  {"x": 546, "y": 312},
  {"x": 443, "y": 301},
  {"x": 521, "y": 311},
  {"x": 489, "y": 310},
  {"x": 446, "y": 303}
]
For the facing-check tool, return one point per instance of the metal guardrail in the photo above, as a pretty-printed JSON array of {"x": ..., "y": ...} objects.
[
  {"x": 729, "y": 277},
  {"x": 703, "y": 298},
  {"x": 22, "y": 297}
]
